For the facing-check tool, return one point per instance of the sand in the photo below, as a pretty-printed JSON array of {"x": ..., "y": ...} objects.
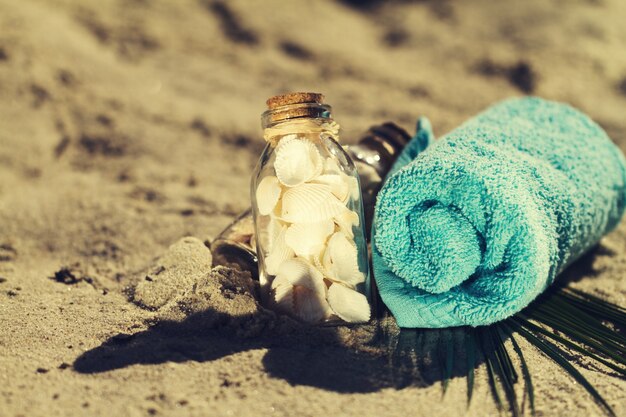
[{"x": 128, "y": 132}]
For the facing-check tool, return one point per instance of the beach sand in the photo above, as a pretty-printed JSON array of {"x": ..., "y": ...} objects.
[{"x": 128, "y": 133}]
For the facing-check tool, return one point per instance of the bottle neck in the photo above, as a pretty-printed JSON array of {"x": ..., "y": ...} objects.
[{"x": 299, "y": 119}]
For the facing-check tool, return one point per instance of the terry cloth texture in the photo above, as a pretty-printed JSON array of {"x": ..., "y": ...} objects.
[{"x": 471, "y": 230}]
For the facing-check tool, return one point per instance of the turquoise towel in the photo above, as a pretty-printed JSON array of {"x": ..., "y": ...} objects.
[{"x": 471, "y": 230}]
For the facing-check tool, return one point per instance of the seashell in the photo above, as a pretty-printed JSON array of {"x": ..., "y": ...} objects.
[
  {"x": 298, "y": 271},
  {"x": 339, "y": 185},
  {"x": 350, "y": 305},
  {"x": 332, "y": 167},
  {"x": 346, "y": 221},
  {"x": 267, "y": 194},
  {"x": 309, "y": 203},
  {"x": 340, "y": 260},
  {"x": 268, "y": 231},
  {"x": 299, "y": 290},
  {"x": 274, "y": 227},
  {"x": 316, "y": 259},
  {"x": 308, "y": 238},
  {"x": 279, "y": 253},
  {"x": 354, "y": 187},
  {"x": 278, "y": 209},
  {"x": 297, "y": 161}
]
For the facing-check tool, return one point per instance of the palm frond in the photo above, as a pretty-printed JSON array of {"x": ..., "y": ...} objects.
[
  {"x": 526, "y": 323},
  {"x": 446, "y": 350},
  {"x": 555, "y": 354},
  {"x": 500, "y": 371},
  {"x": 564, "y": 312},
  {"x": 500, "y": 337},
  {"x": 491, "y": 373},
  {"x": 593, "y": 305},
  {"x": 470, "y": 354},
  {"x": 562, "y": 319},
  {"x": 501, "y": 365},
  {"x": 528, "y": 382}
]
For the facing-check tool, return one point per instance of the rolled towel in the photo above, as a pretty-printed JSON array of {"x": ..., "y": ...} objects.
[{"x": 471, "y": 230}]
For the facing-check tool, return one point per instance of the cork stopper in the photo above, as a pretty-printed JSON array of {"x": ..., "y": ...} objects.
[
  {"x": 295, "y": 105},
  {"x": 293, "y": 98}
]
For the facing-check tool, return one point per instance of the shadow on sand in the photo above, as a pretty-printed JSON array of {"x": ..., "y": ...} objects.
[{"x": 306, "y": 355}]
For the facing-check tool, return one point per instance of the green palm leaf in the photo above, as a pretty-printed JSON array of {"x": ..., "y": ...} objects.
[
  {"x": 470, "y": 354},
  {"x": 497, "y": 356},
  {"x": 528, "y": 382},
  {"x": 562, "y": 318},
  {"x": 555, "y": 354},
  {"x": 446, "y": 348},
  {"x": 595, "y": 306},
  {"x": 528, "y": 325}
]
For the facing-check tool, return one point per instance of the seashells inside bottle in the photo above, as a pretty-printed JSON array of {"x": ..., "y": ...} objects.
[
  {"x": 373, "y": 155},
  {"x": 308, "y": 216}
]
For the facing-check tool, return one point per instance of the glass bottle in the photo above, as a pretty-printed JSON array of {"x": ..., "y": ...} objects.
[
  {"x": 373, "y": 156},
  {"x": 308, "y": 215},
  {"x": 236, "y": 245}
]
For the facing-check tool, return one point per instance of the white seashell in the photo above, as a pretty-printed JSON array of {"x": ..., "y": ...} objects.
[
  {"x": 278, "y": 209},
  {"x": 309, "y": 203},
  {"x": 338, "y": 184},
  {"x": 267, "y": 194},
  {"x": 283, "y": 295},
  {"x": 297, "y": 161},
  {"x": 279, "y": 253},
  {"x": 350, "y": 305},
  {"x": 340, "y": 260},
  {"x": 308, "y": 238},
  {"x": 316, "y": 260},
  {"x": 274, "y": 227},
  {"x": 298, "y": 271},
  {"x": 346, "y": 221},
  {"x": 354, "y": 187},
  {"x": 299, "y": 290},
  {"x": 332, "y": 167}
]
